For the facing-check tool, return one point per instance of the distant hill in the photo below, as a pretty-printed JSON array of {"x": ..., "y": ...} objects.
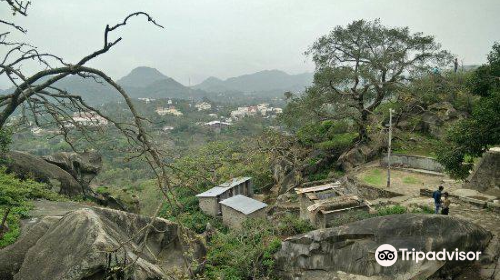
[
  {"x": 149, "y": 82},
  {"x": 142, "y": 77},
  {"x": 263, "y": 81},
  {"x": 140, "y": 82}
]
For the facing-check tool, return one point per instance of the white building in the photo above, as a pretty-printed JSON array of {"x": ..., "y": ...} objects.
[
  {"x": 167, "y": 128},
  {"x": 89, "y": 119},
  {"x": 203, "y": 106},
  {"x": 168, "y": 111},
  {"x": 146, "y": 99}
]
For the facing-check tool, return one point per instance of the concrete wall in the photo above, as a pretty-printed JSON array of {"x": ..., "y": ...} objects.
[
  {"x": 209, "y": 206},
  {"x": 411, "y": 161},
  {"x": 328, "y": 220},
  {"x": 234, "y": 219}
]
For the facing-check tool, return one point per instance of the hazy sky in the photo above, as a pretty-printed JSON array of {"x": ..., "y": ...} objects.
[{"x": 225, "y": 38}]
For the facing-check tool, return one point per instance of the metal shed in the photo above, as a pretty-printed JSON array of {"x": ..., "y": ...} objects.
[
  {"x": 209, "y": 201},
  {"x": 237, "y": 209}
]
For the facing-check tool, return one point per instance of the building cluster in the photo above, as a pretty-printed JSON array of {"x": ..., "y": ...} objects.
[
  {"x": 90, "y": 119},
  {"x": 218, "y": 126},
  {"x": 233, "y": 201},
  {"x": 203, "y": 106},
  {"x": 262, "y": 109},
  {"x": 322, "y": 205},
  {"x": 146, "y": 99},
  {"x": 162, "y": 111}
]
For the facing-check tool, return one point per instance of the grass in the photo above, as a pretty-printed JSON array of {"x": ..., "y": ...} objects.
[
  {"x": 14, "y": 225},
  {"x": 375, "y": 177},
  {"x": 415, "y": 144},
  {"x": 411, "y": 180}
]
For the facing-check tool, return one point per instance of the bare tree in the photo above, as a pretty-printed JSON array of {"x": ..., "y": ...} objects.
[{"x": 38, "y": 98}]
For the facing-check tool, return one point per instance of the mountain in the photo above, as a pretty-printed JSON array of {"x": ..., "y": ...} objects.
[
  {"x": 140, "y": 82},
  {"x": 263, "y": 81},
  {"x": 142, "y": 77}
]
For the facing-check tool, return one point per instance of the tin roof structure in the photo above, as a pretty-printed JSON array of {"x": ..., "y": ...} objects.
[
  {"x": 213, "y": 192},
  {"x": 243, "y": 204},
  {"x": 317, "y": 188},
  {"x": 234, "y": 182}
]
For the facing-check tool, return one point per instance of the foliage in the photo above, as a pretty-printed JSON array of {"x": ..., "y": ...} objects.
[
  {"x": 14, "y": 196},
  {"x": 220, "y": 161},
  {"x": 352, "y": 70},
  {"x": 410, "y": 180},
  {"x": 415, "y": 144},
  {"x": 375, "y": 177},
  {"x": 471, "y": 137},
  {"x": 248, "y": 253},
  {"x": 485, "y": 79}
]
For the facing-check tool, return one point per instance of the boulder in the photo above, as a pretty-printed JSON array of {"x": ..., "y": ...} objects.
[
  {"x": 89, "y": 243},
  {"x": 351, "y": 248},
  {"x": 360, "y": 154},
  {"x": 33, "y": 167},
  {"x": 82, "y": 166},
  {"x": 486, "y": 174}
]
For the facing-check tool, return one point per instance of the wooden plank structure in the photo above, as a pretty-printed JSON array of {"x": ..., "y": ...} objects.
[
  {"x": 324, "y": 212},
  {"x": 309, "y": 195}
]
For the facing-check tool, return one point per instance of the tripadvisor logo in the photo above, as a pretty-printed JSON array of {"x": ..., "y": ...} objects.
[{"x": 387, "y": 255}]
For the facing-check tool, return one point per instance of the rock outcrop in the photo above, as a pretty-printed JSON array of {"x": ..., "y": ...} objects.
[
  {"x": 350, "y": 248},
  {"x": 27, "y": 166},
  {"x": 82, "y": 166},
  {"x": 68, "y": 173},
  {"x": 360, "y": 154},
  {"x": 486, "y": 174},
  {"x": 91, "y": 243}
]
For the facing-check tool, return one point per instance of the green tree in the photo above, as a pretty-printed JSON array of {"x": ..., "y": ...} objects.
[
  {"x": 471, "y": 137},
  {"x": 14, "y": 193},
  {"x": 361, "y": 65}
]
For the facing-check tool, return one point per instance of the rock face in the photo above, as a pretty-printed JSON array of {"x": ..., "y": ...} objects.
[
  {"x": 360, "y": 154},
  {"x": 68, "y": 173},
  {"x": 437, "y": 116},
  {"x": 486, "y": 175},
  {"x": 28, "y": 166},
  {"x": 351, "y": 248},
  {"x": 79, "y": 246},
  {"x": 83, "y": 167}
]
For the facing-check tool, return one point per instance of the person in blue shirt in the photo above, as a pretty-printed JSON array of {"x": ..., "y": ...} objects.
[{"x": 437, "y": 198}]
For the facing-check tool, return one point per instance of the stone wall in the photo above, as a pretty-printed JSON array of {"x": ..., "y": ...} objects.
[
  {"x": 486, "y": 174},
  {"x": 411, "y": 161},
  {"x": 209, "y": 206}
]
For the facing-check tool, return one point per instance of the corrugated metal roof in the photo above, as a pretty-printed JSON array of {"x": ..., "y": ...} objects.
[
  {"x": 317, "y": 188},
  {"x": 213, "y": 192},
  {"x": 234, "y": 182},
  {"x": 243, "y": 204}
]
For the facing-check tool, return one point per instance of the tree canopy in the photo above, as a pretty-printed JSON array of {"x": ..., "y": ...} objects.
[
  {"x": 359, "y": 66},
  {"x": 471, "y": 137}
]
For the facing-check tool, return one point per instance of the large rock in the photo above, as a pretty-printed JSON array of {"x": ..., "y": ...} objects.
[
  {"x": 351, "y": 248},
  {"x": 89, "y": 243},
  {"x": 360, "y": 154},
  {"x": 27, "y": 166},
  {"x": 486, "y": 174},
  {"x": 82, "y": 166}
]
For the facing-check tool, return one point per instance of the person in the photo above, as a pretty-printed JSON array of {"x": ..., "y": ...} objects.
[
  {"x": 437, "y": 198},
  {"x": 455, "y": 65},
  {"x": 446, "y": 204}
]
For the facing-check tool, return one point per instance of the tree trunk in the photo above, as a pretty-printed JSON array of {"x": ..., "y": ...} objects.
[
  {"x": 4, "y": 220},
  {"x": 363, "y": 134}
]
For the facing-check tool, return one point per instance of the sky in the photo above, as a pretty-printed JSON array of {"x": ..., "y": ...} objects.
[{"x": 226, "y": 38}]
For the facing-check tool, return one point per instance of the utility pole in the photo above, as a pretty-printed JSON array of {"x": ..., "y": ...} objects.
[{"x": 389, "y": 150}]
